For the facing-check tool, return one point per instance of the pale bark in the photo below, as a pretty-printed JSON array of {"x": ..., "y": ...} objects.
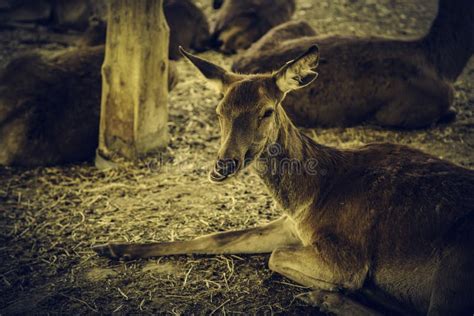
[{"x": 134, "y": 112}]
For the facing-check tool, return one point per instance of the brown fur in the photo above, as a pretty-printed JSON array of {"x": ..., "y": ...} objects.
[
  {"x": 95, "y": 34},
  {"x": 383, "y": 221},
  {"x": 393, "y": 83},
  {"x": 239, "y": 23},
  {"x": 188, "y": 26},
  {"x": 187, "y": 22},
  {"x": 50, "y": 106}
]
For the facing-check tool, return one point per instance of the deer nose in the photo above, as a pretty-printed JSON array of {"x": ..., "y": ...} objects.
[{"x": 227, "y": 167}]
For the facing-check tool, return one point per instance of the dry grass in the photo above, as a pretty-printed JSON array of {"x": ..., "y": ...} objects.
[{"x": 51, "y": 216}]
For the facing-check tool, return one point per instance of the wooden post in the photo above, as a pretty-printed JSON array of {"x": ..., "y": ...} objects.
[{"x": 134, "y": 110}]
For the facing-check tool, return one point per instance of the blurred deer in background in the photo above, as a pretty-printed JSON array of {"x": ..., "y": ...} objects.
[
  {"x": 50, "y": 106},
  {"x": 393, "y": 83},
  {"x": 239, "y": 23},
  {"x": 385, "y": 222},
  {"x": 188, "y": 26},
  {"x": 50, "y": 103},
  {"x": 187, "y": 22}
]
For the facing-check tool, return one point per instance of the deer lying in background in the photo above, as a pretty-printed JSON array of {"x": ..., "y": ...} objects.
[
  {"x": 384, "y": 221},
  {"x": 187, "y": 22},
  {"x": 239, "y": 23},
  {"x": 188, "y": 26},
  {"x": 393, "y": 83},
  {"x": 50, "y": 106}
]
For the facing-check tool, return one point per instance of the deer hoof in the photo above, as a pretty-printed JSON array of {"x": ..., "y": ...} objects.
[
  {"x": 325, "y": 300},
  {"x": 112, "y": 251},
  {"x": 336, "y": 303}
]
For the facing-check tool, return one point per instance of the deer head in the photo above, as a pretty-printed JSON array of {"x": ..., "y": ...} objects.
[
  {"x": 239, "y": 23},
  {"x": 250, "y": 113}
]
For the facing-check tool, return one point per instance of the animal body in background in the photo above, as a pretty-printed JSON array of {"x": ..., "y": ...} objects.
[
  {"x": 390, "y": 82},
  {"x": 239, "y": 23}
]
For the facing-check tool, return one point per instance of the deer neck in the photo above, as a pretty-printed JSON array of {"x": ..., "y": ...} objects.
[
  {"x": 450, "y": 41},
  {"x": 294, "y": 168}
]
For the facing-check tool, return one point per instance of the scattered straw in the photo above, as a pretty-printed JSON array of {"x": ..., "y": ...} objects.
[{"x": 49, "y": 217}]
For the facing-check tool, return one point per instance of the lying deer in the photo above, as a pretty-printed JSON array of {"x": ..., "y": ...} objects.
[
  {"x": 239, "y": 23},
  {"x": 393, "y": 83},
  {"x": 188, "y": 26},
  {"x": 45, "y": 118},
  {"x": 50, "y": 106},
  {"x": 384, "y": 221},
  {"x": 187, "y": 22}
]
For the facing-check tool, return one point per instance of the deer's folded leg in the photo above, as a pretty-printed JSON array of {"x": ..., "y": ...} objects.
[
  {"x": 262, "y": 239},
  {"x": 318, "y": 269},
  {"x": 321, "y": 270}
]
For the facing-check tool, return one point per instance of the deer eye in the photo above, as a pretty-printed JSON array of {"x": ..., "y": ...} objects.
[{"x": 267, "y": 114}]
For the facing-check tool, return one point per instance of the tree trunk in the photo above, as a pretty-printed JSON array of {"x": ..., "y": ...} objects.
[{"x": 134, "y": 111}]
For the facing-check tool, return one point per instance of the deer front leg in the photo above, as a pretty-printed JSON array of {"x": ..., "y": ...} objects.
[{"x": 262, "y": 239}]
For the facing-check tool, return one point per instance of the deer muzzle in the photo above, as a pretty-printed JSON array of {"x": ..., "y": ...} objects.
[{"x": 223, "y": 169}]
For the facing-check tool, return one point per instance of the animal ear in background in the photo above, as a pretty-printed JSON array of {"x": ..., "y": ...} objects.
[
  {"x": 216, "y": 75},
  {"x": 299, "y": 72}
]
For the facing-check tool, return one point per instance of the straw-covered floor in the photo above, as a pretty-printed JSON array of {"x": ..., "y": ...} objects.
[{"x": 50, "y": 217}]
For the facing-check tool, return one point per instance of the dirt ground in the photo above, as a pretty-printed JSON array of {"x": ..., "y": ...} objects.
[{"x": 49, "y": 217}]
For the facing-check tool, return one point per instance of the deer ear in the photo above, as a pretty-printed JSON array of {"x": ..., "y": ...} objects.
[
  {"x": 216, "y": 75},
  {"x": 299, "y": 72}
]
